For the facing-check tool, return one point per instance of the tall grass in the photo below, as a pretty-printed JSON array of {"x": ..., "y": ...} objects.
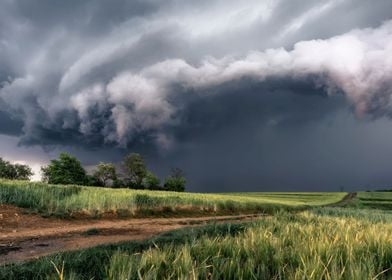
[
  {"x": 316, "y": 244},
  {"x": 302, "y": 246},
  {"x": 90, "y": 263},
  {"x": 76, "y": 201},
  {"x": 372, "y": 215}
]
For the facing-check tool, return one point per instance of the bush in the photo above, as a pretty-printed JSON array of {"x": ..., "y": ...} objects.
[
  {"x": 66, "y": 170},
  {"x": 175, "y": 184},
  {"x": 151, "y": 182}
]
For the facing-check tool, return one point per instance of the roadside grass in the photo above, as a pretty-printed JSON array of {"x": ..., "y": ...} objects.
[
  {"x": 287, "y": 246},
  {"x": 90, "y": 202},
  {"x": 91, "y": 263},
  {"x": 364, "y": 214},
  {"x": 322, "y": 243}
]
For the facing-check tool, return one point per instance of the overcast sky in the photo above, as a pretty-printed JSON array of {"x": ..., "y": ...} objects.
[{"x": 243, "y": 95}]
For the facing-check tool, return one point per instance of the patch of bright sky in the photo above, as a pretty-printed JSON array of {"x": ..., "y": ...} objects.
[
  {"x": 35, "y": 157},
  {"x": 217, "y": 20},
  {"x": 297, "y": 23}
]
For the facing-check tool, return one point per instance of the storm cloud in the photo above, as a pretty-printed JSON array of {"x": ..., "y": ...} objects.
[{"x": 183, "y": 82}]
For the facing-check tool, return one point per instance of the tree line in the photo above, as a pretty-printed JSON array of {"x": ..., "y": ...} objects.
[
  {"x": 68, "y": 170},
  {"x": 14, "y": 171},
  {"x": 132, "y": 173}
]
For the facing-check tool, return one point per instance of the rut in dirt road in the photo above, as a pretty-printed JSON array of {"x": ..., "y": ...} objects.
[
  {"x": 26, "y": 236},
  {"x": 345, "y": 201}
]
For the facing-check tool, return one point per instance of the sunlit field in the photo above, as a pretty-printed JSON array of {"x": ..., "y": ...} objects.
[{"x": 95, "y": 202}]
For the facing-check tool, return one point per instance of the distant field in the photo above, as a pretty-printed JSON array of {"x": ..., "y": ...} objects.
[
  {"x": 294, "y": 198},
  {"x": 374, "y": 200},
  {"x": 96, "y": 202},
  {"x": 371, "y": 201}
]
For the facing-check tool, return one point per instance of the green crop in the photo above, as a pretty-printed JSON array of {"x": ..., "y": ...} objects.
[{"x": 75, "y": 201}]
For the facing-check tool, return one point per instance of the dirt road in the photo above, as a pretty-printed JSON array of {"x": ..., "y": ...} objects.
[
  {"x": 345, "y": 201},
  {"x": 25, "y": 236}
]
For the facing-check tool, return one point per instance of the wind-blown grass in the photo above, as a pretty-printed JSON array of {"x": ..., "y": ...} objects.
[
  {"x": 302, "y": 246},
  {"x": 91, "y": 263},
  {"x": 79, "y": 201},
  {"x": 373, "y": 215},
  {"x": 322, "y": 243}
]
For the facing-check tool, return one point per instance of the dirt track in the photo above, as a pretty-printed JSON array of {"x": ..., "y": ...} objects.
[
  {"x": 25, "y": 236},
  {"x": 345, "y": 201}
]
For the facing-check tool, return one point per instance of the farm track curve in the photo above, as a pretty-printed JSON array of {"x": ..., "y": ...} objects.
[
  {"x": 25, "y": 236},
  {"x": 345, "y": 201}
]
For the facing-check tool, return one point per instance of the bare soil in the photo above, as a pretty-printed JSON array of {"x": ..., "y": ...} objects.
[{"x": 26, "y": 236}]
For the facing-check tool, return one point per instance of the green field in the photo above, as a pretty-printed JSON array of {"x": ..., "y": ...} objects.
[
  {"x": 303, "y": 238},
  {"x": 322, "y": 243},
  {"x": 294, "y": 198},
  {"x": 374, "y": 200},
  {"x": 302, "y": 246},
  {"x": 75, "y": 201}
]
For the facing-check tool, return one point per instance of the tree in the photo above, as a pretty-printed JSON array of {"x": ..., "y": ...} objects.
[
  {"x": 22, "y": 171},
  {"x": 93, "y": 181},
  {"x": 14, "y": 171},
  {"x": 119, "y": 183},
  {"x": 104, "y": 173},
  {"x": 151, "y": 181},
  {"x": 5, "y": 169},
  {"x": 65, "y": 170},
  {"x": 176, "y": 181},
  {"x": 135, "y": 170}
]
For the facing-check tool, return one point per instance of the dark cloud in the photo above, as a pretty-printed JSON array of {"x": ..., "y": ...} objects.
[
  {"x": 236, "y": 93},
  {"x": 9, "y": 126},
  {"x": 250, "y": 133}
]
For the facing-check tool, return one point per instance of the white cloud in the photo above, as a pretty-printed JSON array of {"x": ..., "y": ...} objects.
[{"x": 357, "y": 63}]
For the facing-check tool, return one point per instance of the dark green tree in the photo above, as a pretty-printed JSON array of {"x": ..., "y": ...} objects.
[
  {"x": 5, "y": 169},
  {"x": 93, "y": 181},
  {"x": 66, "y": 170},
  {"x": 151, "y": 181},
  {"x": 105, "y": 173},
  {"x": 176, "y": 181},
  {"x": 135, "y": 170},
  {"x": 14, "y": 171},
  {"x": 119, "y": 183},
  {"x": 22, "y": 171}
]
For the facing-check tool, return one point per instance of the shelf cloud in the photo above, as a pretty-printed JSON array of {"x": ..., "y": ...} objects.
[{"x": 175, "y": 78}]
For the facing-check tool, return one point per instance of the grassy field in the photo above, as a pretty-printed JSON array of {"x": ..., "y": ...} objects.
[
  {"x": 303, "y": 246},
  {"x": 374, "y": 200},
  {"x": 92, "y": 263},
  {"x": 294, "y": 198},
  {"x": 321, "y": 243},
  {"x": 77, "y": 201}
]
